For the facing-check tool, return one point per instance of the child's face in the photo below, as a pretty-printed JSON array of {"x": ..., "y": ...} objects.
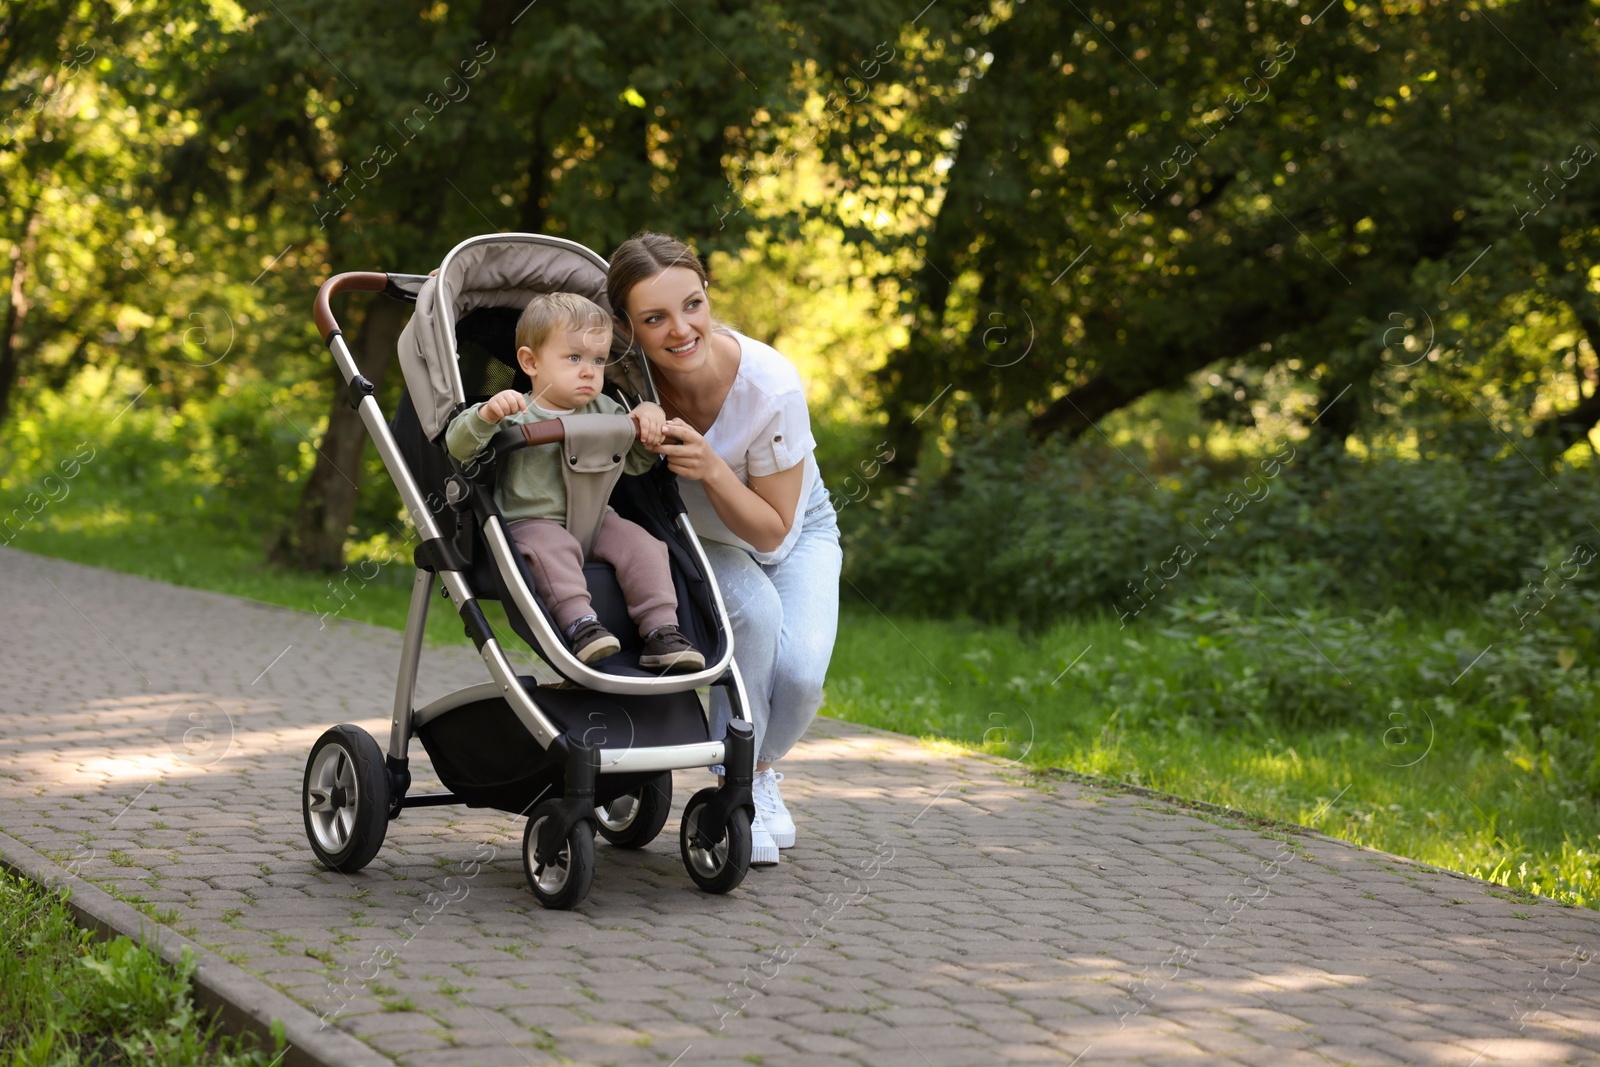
[{"x": 569, "y": 368}]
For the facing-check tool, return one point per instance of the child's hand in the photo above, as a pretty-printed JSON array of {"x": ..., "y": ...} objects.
[
  {"x": 649, "y": 420},
  {"x": 505, "y": 402}
]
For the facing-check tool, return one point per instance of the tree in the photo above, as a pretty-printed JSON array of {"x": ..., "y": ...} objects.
[
  {"x": 65, "y": 168},
  {"x": 409, "y": 132},
  {"x": 1126, "y": 195}
]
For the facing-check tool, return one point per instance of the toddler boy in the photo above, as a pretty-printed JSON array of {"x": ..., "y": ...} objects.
[{"x": 562, "y": 343}]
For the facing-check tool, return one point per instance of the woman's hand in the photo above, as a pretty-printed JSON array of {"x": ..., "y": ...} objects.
[
  {"x": 649, "y": 421},
  {"x": 761, "y": 512},
  {"x": 505, "y": 402},
  {"x": 690, "y": 456}
]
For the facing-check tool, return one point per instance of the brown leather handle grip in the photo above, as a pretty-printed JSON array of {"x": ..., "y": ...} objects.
[
  {"x": 543, "y": 433},
  {"x": 358, "y": 281},
  {"x": 527, "y": 435}
]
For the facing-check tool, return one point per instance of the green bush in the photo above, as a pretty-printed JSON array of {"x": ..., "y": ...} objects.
[{"x": 1017, "y": 532}]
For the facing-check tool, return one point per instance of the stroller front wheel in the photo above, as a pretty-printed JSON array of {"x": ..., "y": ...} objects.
[
  {"x": 565, "y": 880},
  {"x": 345, "y": 798},
  {"x": 716, "y": 861},
  {"x": 635, "y": 819}
]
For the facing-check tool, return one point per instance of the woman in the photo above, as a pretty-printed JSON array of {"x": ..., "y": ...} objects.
[{"x": 752, "y": 489}]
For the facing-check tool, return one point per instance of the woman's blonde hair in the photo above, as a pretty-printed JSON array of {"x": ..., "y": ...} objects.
[{"x": 549, "y": 312}]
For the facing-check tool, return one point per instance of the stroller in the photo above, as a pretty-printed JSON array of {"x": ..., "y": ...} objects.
[{"x": 595, "y": 752}]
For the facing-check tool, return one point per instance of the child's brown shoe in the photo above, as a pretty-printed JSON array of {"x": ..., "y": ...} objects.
[
  {"x": 591, "y": 641},
  {"x": 665, "y": 647}
]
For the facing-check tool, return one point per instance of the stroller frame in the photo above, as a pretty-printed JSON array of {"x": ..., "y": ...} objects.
[{"x": 352, "y": 789}]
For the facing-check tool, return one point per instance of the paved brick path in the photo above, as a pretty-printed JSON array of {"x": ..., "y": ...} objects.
[{"x": 937, "y": 910}]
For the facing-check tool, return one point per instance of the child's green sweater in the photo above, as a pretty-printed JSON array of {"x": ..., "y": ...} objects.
[{"x": 531, "y": 486}]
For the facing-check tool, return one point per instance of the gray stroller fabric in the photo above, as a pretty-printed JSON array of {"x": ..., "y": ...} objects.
[
  {"x": 591, "y": 464},
  {"x": 496, "y": 270}
]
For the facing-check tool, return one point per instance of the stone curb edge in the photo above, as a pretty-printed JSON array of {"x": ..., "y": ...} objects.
[{"x": 244, "y": 1002}]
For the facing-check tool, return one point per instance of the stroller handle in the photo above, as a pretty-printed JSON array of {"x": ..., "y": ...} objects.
[
  {"x": 400, "y": 286},
  {"x": 359, "y": 281}
]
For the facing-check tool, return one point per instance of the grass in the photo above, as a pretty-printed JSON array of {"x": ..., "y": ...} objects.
[
  {"x": 1381, "y": 730},
  {"x": 66, "y": 998}
]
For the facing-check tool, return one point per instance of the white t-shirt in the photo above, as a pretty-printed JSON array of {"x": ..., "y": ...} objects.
[{"x": 763, "y": 428}]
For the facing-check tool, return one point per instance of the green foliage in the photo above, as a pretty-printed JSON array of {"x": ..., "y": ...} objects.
[
  {"x": 870, "y": 185},
  {"x": 232, "y": 457},
  {"x": 1094, "y": 201},
  {"x": 98, "y": 275},
  {"x": 400, "y": 136},
  {"x": 1015, "y": 532},
  {"x": 67, "y": 999}
]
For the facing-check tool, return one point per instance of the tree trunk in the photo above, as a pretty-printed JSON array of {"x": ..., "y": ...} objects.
[
  {"x": 314, "y": 539},
  {"x": 909, "y": 377},
  {"x": 1338, "y": 411},
  {"x": 1566, "y": 428},
  {"x": 917, "y": 376},
  {"x": 16, "y": 310},
  {"x": 1076, "y": 412}
]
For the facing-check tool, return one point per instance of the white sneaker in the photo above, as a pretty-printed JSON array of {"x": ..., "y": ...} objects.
[
  {"x": 764, "y": 791},
  {"x": 763, "y": 850}
]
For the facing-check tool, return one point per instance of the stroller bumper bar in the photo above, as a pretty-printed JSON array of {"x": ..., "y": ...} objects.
[{"x": 527, "y": 435}]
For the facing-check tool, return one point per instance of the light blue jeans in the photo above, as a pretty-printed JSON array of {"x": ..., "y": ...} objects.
[{"x": 784, "y": 619}]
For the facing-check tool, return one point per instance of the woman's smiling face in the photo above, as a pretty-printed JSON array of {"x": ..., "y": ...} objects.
[{"x": 671, "y": 319}]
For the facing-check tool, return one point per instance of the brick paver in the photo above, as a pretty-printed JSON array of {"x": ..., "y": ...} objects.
[{"x": 936, "y": 911}]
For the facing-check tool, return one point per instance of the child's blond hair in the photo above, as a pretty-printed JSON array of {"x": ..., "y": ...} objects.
[{"x": 548, "y": 312}]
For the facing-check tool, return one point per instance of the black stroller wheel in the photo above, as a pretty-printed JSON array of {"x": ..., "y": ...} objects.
[
  {"x": 345, "y": 798},
  {"x": 565, "y": 881},
  {"x": 717, "y": 866},
  {"x": 635, "y": 819}
]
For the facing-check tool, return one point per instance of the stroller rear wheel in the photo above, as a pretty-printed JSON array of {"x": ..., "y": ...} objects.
[
  {"x": 345, "y": 798},
  {"x": 716, "y": 857},
  {"x": 565, "y": 880},
  {"x": 635, "y": 819}
]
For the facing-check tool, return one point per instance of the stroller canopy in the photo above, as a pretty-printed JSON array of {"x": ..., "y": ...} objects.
[{"x": 503, "y": 270}]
